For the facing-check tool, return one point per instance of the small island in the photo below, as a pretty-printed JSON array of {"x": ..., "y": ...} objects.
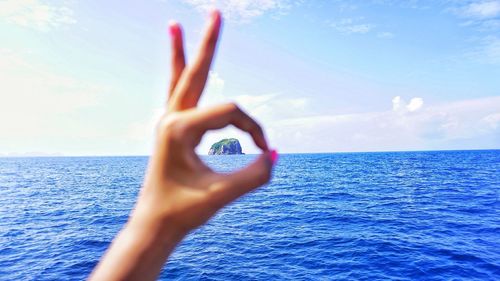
[{"x": 226, "y": 147}]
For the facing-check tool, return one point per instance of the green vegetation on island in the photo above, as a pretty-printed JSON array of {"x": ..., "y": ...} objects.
[{"x": 226, "y": 147}]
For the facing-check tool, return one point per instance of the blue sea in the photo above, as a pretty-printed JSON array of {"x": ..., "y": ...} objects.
[{"x": 342, "y": 216}]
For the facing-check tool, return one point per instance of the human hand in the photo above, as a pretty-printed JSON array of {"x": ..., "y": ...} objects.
[{"x": 180, "y": 192}]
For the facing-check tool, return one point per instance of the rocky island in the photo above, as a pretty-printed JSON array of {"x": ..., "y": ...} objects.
[{"x": 226, "y": 147}]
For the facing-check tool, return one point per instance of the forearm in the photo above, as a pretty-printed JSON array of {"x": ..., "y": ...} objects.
[{"x": 138, "y": 253}]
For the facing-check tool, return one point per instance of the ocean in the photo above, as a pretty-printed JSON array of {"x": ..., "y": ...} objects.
[{"x": 340, "y": 216}]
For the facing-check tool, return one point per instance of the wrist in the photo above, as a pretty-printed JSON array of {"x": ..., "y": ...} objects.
[{"x": 156, "y": 232}]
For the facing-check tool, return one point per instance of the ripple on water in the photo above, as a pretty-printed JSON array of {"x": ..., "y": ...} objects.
[{"x": 360, "y": 216}]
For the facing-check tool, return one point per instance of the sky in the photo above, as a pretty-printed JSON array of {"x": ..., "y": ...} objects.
[{"x": 90, "y": 77}]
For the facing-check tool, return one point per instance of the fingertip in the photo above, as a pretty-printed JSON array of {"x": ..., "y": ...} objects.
[
  {"x": 172, "y": 27},
  {"x": 273, "y": 156},
  {"x": 216, "y": 18},
  {"x": 215, "y": 14},
  {"x": 175, "y": 30}
]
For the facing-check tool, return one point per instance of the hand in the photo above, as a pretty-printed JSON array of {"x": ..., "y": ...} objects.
[{"x": 180, "y": 192}]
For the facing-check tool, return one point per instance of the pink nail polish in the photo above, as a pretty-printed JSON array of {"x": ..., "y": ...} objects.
[
  {"x": 274, "y": 156},
  {"x": 213, "y": 13},
  {"x": 172, "y": 25}
]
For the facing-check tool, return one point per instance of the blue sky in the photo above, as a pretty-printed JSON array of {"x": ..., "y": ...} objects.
[{"x": 89, "y": 77}]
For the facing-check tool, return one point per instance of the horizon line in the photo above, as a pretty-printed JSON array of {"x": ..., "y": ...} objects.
[{"x": 59, "y": 155}]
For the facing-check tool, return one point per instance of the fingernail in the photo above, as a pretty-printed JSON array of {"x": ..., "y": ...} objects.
[
  {"x": 274, "y": 156},
  {"x": 214, "y": 15},
  {"x": 172, "y": 25}
]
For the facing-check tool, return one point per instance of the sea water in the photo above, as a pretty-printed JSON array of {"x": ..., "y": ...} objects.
[{"x": 342, "y": 216}]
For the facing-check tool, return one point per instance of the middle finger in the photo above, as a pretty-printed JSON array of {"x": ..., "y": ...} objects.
[{"x": 192, "y": 81}]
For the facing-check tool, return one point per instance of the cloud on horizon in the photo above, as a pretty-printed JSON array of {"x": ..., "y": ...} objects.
[
  {"x": 407, "y": 127},
  {"x": 291, "y": 123}
]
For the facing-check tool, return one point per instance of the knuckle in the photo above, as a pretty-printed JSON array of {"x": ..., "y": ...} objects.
[
  {"x": 180, "y": 130},
  {"x": 172, "y": 126},
  {"x": 232, "y": 107},
  {"x": 167, "y": 122}
]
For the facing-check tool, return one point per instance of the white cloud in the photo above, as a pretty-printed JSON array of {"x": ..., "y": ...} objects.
[
  {"x": 482, "y": 9},
  {"x": 241, "y": 10},
  {"x": 35, "y": 14},
  {"x": 399, "y": 105},
  {"x": 396, "y": 103},
  {"x": 215, "y": 82},
  {"x": 351, "y": 25},
  {"x": 474, "y": 123},
  {"x": 483, "y": 17},
  {"x": 415, "y": 104},
  {"x": 213, "y": 92},
  {"x": 292, "y": 125}
]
